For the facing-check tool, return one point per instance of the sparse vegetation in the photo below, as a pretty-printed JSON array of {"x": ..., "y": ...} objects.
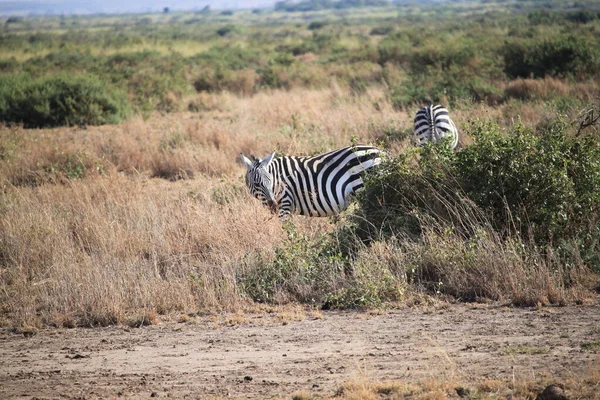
[{"x": 580, "y": 386}]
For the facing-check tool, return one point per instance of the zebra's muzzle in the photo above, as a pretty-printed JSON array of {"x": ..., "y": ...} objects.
[{"x": 272, "y": 206}]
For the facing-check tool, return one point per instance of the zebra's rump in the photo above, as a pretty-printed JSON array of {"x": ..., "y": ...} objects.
[{"x": 432, "y": 124}]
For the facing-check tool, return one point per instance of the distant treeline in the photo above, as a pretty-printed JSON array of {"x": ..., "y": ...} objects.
[{"x": 314, "y": 5}]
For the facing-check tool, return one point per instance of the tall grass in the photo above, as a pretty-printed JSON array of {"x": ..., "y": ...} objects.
[
  {"x": 106, "y": 224},
  {"x": 96, "y": 251},
  {"x": 89, "y": 237}
]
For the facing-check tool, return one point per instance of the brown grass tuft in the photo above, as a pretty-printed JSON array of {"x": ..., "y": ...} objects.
[
  {"x": 582, "y": 386},
  {"x": 541, "y": 89},
  {"x": 142, "y": 318}
]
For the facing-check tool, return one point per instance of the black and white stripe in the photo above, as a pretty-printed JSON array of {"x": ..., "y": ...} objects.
[
  {"x": 316, "y": 186},
  {"x": 432, "y": 124}
]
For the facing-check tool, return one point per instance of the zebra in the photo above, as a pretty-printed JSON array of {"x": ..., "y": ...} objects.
[
  {"x": 316, "y": 186},
  {"x": 432, "y": 124}
]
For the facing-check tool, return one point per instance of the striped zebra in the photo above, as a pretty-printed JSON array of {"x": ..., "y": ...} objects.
[
  {"x": 316, "y": 186},
  {"x": 432, "y": 124}
]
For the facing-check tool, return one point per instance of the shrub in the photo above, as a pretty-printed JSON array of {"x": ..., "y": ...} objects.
[
  {"x": 564, "y": 55},
  {"x": 317, "y": 25},
  {"x": 301, "y": 270},
  {"x": 227, "y": 29},
  {"x": 543, "y": 17},
  {"x": 60, "y": 100},
  {"x": 543, "y": 185},
  {"x": 230, "y": 57},
  {"x": 315, "y": 5},
  {"x": 582, "y": 16},
  {"x": 381, "y": 30},
  {"x": 14, "y": 20},
  {"x": 396, "y": 48},
  {"x": 432, "y": 85},
  {"x": 240, "y": 82},
  {"x": 313, "y": 271}
]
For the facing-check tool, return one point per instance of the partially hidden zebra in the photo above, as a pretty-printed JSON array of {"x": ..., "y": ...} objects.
[
  {"x": 316, "y": 186},
  {"x": 432, "y": 124}
]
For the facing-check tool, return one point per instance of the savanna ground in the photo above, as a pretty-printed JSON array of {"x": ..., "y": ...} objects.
[
  {"x": 433, "y": 351},
  {"x": 133, "y": 261}
]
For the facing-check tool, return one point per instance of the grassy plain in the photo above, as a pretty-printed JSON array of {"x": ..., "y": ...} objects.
[
  {"x": 101, "y": 224},
  {"x": 148, "y": 219}
]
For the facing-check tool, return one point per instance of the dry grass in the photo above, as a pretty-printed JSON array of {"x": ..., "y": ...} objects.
[
  {"x": 101, "y": 246},
  {"x": 581, "y": 386},
  {"x": 488, "y": 267},
  {"x": 177, "y": 146},
  {"x": 90, "y": 233},
  {"x": 99, "y": 249},
  {"x": 549, "y": 88}
]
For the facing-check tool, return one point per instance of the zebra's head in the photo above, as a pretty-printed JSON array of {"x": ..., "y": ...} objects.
[{"x": 260, "y": 181}]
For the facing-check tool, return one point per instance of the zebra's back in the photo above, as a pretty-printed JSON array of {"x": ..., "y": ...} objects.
[{"x": 322, "y": 185}]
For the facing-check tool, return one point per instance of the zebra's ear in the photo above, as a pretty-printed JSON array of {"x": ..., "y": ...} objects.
[
  {"x": 246, "y": 161},
  {"x": 265, "y": 163}
]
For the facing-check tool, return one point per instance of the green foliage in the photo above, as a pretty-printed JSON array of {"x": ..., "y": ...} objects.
[
  {"x": 543, "y": 17},
  {"x": 372, "y": 283},
  {"x": 543, "y": 184},
  {"x": 316, "y": 25},
  {"x": 230, "y": 57},
  {"x": 457, "y": 70},
  {"x": 547, "y": 17},
  {"x": 60, "y": 100},
  {"x": 447, "y": 53},
  {"x": 301, "y": 269},
  {"x": 152, "y": 80},
  {"x": 546, "y": 180},
  {"x": 381, "y": 30},
  {"x": 227, "y": 29},
  {"x": 582, "y": 16},
  {"x": 314, "y": 271},
  {"x": 434, "y": 86},
  {"x": 563, "y": 55}
]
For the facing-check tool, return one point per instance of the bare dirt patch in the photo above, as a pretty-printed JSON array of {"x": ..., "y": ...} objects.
[{"x": 274, "y": 355}]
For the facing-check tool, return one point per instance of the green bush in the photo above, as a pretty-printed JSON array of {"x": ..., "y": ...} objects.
[
  {"x": 154, "y": 82},
  {"x": 432, "y": 85},
  {"x": 60, "y": 100},
  {"x": 543, "y": 185},
  {"x": 396, "y": 48},
  {"x": 381, "y": 30},
  {"x": 544, "y": 17},
  {"x": 301, "y": 270},
  {"x": 564, "y": 55},
  {"x": 315, "y": 5},
  {"x": 313, "y": 271},
  {"x": 227, "y": 29},
  {"x": 317, "y": 25},
  {"x": 230, "y": 57},
  {"x": 582, "y": 16},
  {"x": 457, "y": 70}
]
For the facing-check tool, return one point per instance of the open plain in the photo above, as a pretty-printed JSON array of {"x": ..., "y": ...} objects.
[
  {"x": 493, "y": 349},
  {"x": 134, "y": 263}
]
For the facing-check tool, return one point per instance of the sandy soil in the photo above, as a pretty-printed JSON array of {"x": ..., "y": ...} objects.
[{"x": 268, "y": 355}]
